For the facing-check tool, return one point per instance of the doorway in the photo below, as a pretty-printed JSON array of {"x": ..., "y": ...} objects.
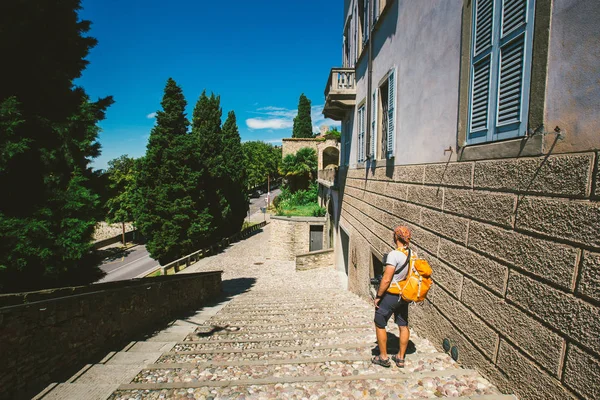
[{"x": 316, "y": 238}]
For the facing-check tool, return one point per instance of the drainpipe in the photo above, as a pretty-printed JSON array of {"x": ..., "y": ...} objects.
[{"x": 369, "y": 117}]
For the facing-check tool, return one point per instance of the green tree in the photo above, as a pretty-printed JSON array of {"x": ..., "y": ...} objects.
[
  {"x": 261, "y": 160},
  {"x": 206, "y": 131},
  {"x": 300, "y": 168},
  {"x": 234, "y": 180},
  {"x": 303, "y": 122},
  {"x": 171, "y": 213},
  {"x": 48, "y": 132},
  {"x": 120, "y": 206}
]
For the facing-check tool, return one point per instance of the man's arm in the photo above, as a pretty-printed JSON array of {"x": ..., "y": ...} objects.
[{"x": 386, "y": 280}]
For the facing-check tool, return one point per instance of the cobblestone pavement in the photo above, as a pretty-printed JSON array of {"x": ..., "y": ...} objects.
[{"x": 280, "y": 334}]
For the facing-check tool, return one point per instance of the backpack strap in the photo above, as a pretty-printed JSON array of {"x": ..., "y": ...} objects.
[
  {"x": 405, "y": 263},
  {"x": 408, "y": 259}
]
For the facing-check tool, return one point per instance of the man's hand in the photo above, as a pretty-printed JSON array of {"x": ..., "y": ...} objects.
[{"x": 376, "y": 301}]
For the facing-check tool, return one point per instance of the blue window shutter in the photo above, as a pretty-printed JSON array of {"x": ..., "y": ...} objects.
[
  {"x": 514, "y": 15},
  {"x": 481, "y": 69},
  {"x": 480, "y": 96},
  {"x": 375, "y": 11},
  {"x": 484, "y": 25},
  {"x": 391, "y": 113},
  {"x": 361, "y": 134},
  {"x": 500, "y": 69},
  {"x": 374, "y": 126},
  {"x": 510, "y": 88}
]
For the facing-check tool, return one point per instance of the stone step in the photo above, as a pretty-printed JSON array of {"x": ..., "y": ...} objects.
[
  {"x": 229, "y": 310},
  {"x": 296, "y": 367},
  {"x": 414, "y": 362},
  {"x": 310, "y": 342},
  {"x": 466, "y": 383},
  {"x": 209, "y": 329},
  {"x": 276, "y": 333},
  {"x": 293, "y": 317}
]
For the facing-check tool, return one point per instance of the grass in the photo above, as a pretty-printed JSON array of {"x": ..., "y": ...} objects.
[{"x": 306, "y": 210}]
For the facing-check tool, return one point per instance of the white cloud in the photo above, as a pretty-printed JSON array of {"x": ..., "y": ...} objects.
[
  {"x": 269, "y": 123},
  {"x": 151, "y": 115},
  {"x": 273, "y": 117},
  {"x": 274, "y": 141}
]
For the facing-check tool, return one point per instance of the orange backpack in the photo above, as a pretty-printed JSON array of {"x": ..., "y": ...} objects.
[{"x": 418, "y": 281}]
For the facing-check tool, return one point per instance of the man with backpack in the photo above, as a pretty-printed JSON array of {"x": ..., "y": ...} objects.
[{"x": 389, "y": 301}]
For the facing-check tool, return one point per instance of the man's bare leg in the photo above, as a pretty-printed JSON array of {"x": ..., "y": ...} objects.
[
  {"x": 404, "y": 337},
  {"x": 381, "y": 334}
]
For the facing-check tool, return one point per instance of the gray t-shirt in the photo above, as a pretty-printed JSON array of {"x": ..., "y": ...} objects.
[{"x": 396, "y": 258}]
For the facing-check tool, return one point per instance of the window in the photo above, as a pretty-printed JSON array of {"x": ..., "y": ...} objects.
[
  {"x": 384, "y": 121},
  {"x": 500, "y": 69},
  {"x": 373, "y": 138},
  {"x": 360, "y": 147},
  {"x": 346, "y": 137}
]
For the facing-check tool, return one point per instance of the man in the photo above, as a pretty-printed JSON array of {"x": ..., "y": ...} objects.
[{"x": 388, "y": 300}]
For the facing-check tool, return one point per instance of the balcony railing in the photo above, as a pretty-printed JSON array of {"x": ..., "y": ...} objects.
[{"x": 340, "y": 92}]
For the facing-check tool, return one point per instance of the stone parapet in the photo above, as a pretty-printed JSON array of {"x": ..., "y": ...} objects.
[
  {"x": 314, "y": 259},
  {"x": 48, "y": 338},
  {"x": 515, "y": 250}
]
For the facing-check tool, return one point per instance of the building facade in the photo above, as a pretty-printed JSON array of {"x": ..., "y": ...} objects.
[{"x": 475, "y": 123}]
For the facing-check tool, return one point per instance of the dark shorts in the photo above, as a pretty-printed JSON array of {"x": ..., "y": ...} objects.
[{"x": 389, "y": 305}]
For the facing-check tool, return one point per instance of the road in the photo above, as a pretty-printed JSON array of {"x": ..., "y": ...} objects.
[
  {"x": 137, "y": 261},
  {"x": 256, "y": 204},
  {"x": 128, "y": 265}
]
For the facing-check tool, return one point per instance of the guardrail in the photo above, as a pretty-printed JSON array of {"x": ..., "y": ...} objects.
[{"x": 194, "y": 257}]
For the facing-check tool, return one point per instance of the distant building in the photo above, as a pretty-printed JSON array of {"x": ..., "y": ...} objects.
[{"x": 476, "y": 123}]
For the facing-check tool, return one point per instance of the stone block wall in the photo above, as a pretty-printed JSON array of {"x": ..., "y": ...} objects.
[
  {"x": 314, "y": 259},
  {"x": 290, "y": 236},
  {"x": 49, "y": 338},
  {"x": 515, "y": 249}
]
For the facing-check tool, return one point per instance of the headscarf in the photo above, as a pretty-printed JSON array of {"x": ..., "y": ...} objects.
[{"x": 402, "y": 233}]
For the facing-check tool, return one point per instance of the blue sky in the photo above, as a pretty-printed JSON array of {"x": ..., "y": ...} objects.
[{"x": 258, "y": 55}]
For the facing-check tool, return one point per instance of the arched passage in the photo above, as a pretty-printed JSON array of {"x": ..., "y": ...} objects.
[{"x": 331, "y": 157}]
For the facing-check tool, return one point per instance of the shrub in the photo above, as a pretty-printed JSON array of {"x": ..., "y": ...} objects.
[{"x": 319, "y": 211}]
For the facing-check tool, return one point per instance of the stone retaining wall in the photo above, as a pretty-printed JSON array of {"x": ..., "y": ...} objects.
[
  {"x": 291, "y": 235},
  {"x": 515, "y": 249},
  {"x": 49, "y": 338},
  {"x": 314, "y": 259}
]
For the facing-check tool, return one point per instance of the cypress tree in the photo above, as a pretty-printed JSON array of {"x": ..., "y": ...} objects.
[
  {"x": 235, "y": 180},
  {"x": 168, "y": 184},
  {"x": 48, "y": 132},
  {"x": 303, "y": 121},
  {"x": 206, "y": 129}
]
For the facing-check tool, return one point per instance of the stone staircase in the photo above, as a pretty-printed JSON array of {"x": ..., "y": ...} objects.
[{"x": 281, "y": 335}]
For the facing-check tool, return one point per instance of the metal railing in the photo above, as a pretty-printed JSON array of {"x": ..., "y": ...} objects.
[{"x": 194, "y": 257}]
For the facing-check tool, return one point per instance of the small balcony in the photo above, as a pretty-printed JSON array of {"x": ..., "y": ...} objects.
[{"x": 340, "y": 93}]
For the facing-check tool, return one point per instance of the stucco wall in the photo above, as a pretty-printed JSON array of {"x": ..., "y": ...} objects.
[
  {"x": 515, "y": 252},
  {"x": 573, "y": 86},
  {"x": 422, "y": 39}
]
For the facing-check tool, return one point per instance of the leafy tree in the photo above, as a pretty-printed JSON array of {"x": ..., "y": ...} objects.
[
  {"x": 303, "y": 122},
  {"x": 234, "y": 180},
  {"x": 300, "y": 168},
  {"x": 48, "y": 132},
  {"x": 121, "y": 204},
  {"x": 171, "y": 213},
  {"x": 333, "y": 133},
  {"x": 261, "y": 160}
]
